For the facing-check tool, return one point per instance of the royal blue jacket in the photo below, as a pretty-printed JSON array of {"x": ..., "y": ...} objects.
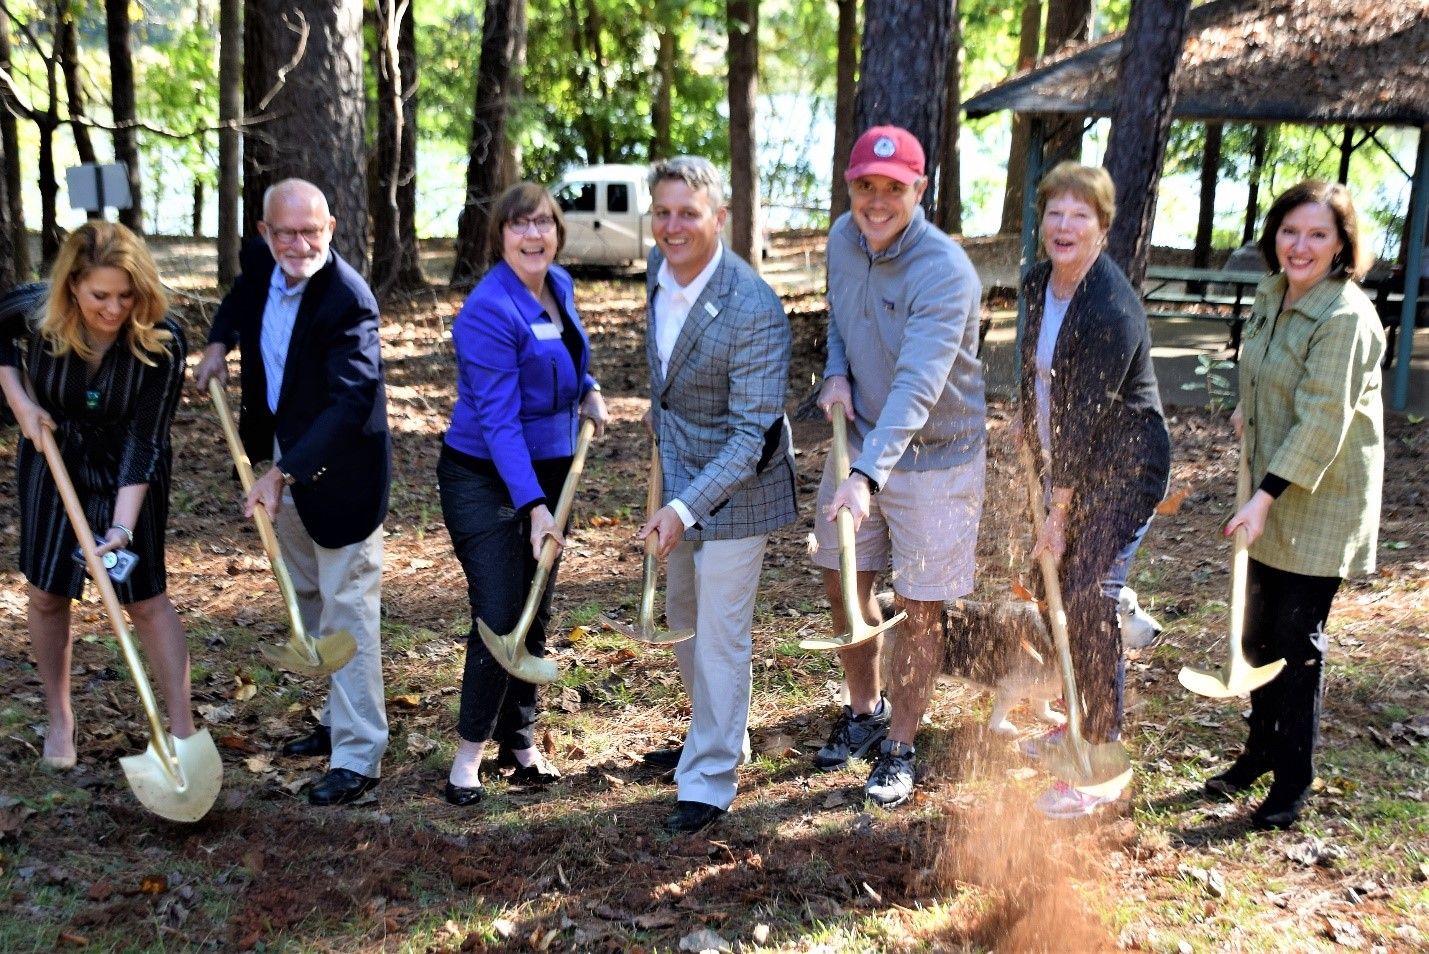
[{"x": 518, "y": 395}]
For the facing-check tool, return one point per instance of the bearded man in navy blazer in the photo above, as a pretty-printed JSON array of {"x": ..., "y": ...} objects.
[
  {"x": 314, "y": 404},
  {"x": 718, "y": 345}
]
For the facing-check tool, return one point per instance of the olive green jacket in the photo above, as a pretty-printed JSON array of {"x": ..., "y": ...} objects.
[{"x": 1310, "y": 394}]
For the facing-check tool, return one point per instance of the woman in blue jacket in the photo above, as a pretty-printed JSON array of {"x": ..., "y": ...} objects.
[{"x": 523, "y": 384}]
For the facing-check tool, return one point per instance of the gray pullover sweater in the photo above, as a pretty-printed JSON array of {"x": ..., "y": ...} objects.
[{"x": 903, "y": 329}]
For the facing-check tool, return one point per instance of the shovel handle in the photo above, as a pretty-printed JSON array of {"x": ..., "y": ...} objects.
[
  {"x": 1056, "y": 610},
  {"x": 261, "y": 517},
  {"x": 95, "y": 565},
  {"x": 650, "y": 568}
]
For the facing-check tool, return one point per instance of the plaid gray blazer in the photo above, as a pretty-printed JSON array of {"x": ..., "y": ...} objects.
[{"x": 725, "y": 442}]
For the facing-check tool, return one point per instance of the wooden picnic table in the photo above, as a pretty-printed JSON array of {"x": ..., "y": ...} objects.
[{"x": 1203, "y": 294}]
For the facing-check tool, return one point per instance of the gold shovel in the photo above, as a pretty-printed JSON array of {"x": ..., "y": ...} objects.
[
  {"x": 510, "y": 650},
  {"x": 177, "y": 779},
  {"x": 1097, "y": 769},
  {"x": 858, "y": 628},
  {"x": 1239, "y": 677},
  {"x": 650, "y": 571},
  {"x": 301, "y": 653}
]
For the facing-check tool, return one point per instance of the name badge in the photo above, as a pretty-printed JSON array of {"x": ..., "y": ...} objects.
[
  {"x": 546, "y": 331},
  {"x": 711, "y": 309}
]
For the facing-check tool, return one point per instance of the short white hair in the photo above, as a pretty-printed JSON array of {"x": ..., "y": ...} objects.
[{"x": 294, "y": 187}]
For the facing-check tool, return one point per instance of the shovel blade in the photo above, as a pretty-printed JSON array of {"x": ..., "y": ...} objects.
[
  {"x": 513, "y": 657},
  {"x": 182, "y": 792},
  {"x": 858, "y": 635},
  {"x": 1101, "y": 769},
  {"x": 1241, "y": 681},
  {"x": 327, "y": 655},
  {"x": 666, "y": 637}
]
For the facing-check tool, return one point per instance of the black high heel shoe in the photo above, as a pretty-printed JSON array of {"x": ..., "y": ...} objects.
[
  {"x": 461, "y": 797},
  {"x": 1235, "y": 780},
  {"x": 539, "y": 772}
]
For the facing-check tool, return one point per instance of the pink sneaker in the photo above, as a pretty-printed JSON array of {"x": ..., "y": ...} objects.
[
  {"x": 1063, "y": 801},
  {"x": 1036, "y": 746}
]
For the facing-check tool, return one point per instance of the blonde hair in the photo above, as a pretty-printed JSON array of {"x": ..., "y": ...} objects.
[
  {"x": 1091, "y": 184},
  {"x": 105, "y": 245}
]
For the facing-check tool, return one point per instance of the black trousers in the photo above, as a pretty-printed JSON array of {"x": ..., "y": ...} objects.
[
  {"x": 1285, "y": 619},
  {"x": 492, "y": 541}
]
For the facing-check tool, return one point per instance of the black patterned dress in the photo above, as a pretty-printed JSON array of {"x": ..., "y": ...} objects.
[{"x": 113, "y": 430}]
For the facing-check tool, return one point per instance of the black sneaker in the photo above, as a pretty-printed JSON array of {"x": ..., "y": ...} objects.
[{"x": 853, "y": 737}]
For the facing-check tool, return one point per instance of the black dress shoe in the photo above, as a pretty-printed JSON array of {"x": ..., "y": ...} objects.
[
  {"x": 318, "y": 743},
  {"x": 692, "y": 816},
  {"x": 1281, "y": 808},
  {"x": 457, "y": 795},
  {"x": 667, "y": 760},
  {"x": 340, "y": 787},
  {"x": 1240, "y": 776},
  {"x": 539, "y": 772}
]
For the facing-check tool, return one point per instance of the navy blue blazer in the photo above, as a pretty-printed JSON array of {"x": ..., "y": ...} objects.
[{"x": 331, "y": 422}]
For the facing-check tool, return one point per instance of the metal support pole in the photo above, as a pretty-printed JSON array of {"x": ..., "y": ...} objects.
[{"x": 1413, "y": 263}]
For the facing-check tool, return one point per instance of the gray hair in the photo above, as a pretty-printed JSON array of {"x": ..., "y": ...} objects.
[
  {"x": 294, "y": 189},
  {"x": 696, "y": 172}
]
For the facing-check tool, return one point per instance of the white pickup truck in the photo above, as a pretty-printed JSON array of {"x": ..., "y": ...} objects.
[{"x": 607, "y": 210}]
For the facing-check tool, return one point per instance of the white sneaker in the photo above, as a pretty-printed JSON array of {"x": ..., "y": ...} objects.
[{"x": 1063, "y": 801}]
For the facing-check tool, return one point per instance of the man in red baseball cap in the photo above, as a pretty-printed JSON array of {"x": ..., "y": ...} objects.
[{"x": 902, "y": 368}]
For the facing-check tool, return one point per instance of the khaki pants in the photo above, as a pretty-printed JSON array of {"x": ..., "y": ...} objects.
[{"x": 342, "y": 589}]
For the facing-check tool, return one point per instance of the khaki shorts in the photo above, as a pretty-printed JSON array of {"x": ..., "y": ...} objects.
[{"x": 923, "y": 524}]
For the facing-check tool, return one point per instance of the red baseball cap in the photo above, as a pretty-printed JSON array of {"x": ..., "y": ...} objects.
[{"x": 886, "y": 151}]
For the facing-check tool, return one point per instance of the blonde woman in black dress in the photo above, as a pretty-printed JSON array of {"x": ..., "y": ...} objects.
[{"x": 100, "y": 366}]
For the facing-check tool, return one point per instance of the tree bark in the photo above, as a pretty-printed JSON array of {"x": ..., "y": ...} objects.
[
  {"x": 897, "y": 34},
  {"x": 9, "y": 275},
  {"x": 1069, "y": 23},
  {"x": 395, "y": 262},
  {"x": 47, "y": 122},
  {"x": 1210, "y": 175},
  {"x": 230, "y": 113},
  {"x": 950, "y": 193},
  {"x": 1252, "y": 198},
  {"x": 74, "y": 92},
  {"x": 121, "y": 82},
  {"x": 743, "y": 56},
  {"x": 303, "y": 80},
  {"x": 488, "y": 133},
  {"x": 10, "y": 142},
  {"x": 511, "y": 167},
  {"x": 664, "y": 91},
  {"x": 1029, "y": 46},
  {"x": 1140, "y": 124},
  {"x": 845, "y": 90}
]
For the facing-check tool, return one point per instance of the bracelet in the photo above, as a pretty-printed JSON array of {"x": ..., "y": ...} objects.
[
  {"x": 1061, "y": 505},
  {"x": 128, "y": 534}
]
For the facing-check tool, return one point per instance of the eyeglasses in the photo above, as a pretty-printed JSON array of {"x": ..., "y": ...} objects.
[
  {"x": 545, "y": 224},
  {"x": 311, "y": 235}
]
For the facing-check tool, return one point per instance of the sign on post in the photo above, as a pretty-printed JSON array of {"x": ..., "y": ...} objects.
[{"x": 94, "y": 187}]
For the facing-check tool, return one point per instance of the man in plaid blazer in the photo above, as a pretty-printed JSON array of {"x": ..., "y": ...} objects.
[{"x": 718, "y": 344}]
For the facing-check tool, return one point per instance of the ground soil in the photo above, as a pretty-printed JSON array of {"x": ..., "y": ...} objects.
[{"x": 586, "y": 866}]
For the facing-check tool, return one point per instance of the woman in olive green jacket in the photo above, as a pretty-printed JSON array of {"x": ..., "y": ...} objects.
[{"x": 1311, "y": 421}]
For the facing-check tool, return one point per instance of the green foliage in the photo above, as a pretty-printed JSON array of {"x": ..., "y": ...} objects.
[{"x": 1219, "y": 393}]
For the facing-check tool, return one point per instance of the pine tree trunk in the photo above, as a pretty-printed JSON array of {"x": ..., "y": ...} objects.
[
  {"x": 845, "y": 90},
  {"x": 10, "y": 142},
  {"x": 743, "y": 53},
  {"x": 488, "y": 133},
  {"x": 74, "y": 92},
  {"x": 394, "y": 236},
  {"x": 313, "y": 123},
  {"x": 9, "y": 277},
  {"x": 47, "y": 122},
  {"x": 1210, "y": 175},
  {"x": 230, "y": 112},
  {"x": 950, "y": 193},
  {"x": 1140, "y": 124},
  {"x": 664, "y": 91},
  {"x": 121, "y": 80},
  {"x": 897, "y": 33},
  {"x": 1257, "y": 169},
  {"x": 1029, "y": 46}
]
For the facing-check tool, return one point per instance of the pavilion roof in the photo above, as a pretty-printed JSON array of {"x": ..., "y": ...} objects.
[{"x": 1356, "y": 62}]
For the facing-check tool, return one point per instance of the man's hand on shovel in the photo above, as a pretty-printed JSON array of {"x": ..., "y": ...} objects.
[
  {"x": 668, "y": 526},
  {"x": 266, "y": 490}
]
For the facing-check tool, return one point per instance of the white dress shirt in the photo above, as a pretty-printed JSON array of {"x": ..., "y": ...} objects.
[{"x": 673, "y": 302}]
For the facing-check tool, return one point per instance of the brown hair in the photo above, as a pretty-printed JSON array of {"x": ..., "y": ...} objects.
[
  {"x": 105, "y": 245},
  {"x": 522, "y": 199},
  {"x": 1091, "y": 184},
  {"x": 1351, "y": 262}
]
